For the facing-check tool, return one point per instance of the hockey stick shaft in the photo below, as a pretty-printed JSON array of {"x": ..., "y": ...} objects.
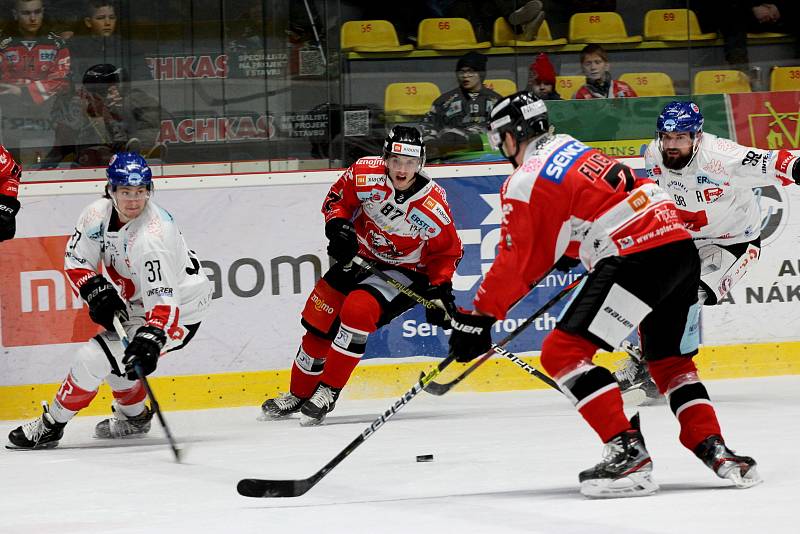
[
  {"x": 440, "y": 389},
  {"x": 256, "y": 487},
  {"x": 123, "y": 338},
  {"x": 402, "y": 288}
]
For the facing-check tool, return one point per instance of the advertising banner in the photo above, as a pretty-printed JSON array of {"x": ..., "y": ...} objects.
[
  {"x": 263, "y": 247},
  {"x": 767, "y": 120}
]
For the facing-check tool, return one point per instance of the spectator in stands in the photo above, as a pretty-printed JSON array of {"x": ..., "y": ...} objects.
[
  {"x": 597, "y": 69},
  {"x": 108, "y": 117},
  {"x": 742, "y": 16},
  {"x": 542, "y": 78},
  {"x": 34, "y": 62},
  {"x": 96, "y": 38},
  {"x": 459, "y": 117},
  {"x": 525, "y": 16}
]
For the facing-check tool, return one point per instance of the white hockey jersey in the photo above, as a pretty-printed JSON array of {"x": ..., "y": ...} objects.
[
  {"x": 714, "y": 192},
  {"x": 148, "y": 261}
]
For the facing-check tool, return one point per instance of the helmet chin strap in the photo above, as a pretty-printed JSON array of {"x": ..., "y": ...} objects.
[{"x": 510, "y": 157}]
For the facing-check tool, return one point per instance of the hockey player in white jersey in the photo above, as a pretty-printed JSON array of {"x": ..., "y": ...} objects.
[
  {"x": 711, "y": 180},
  {"x": 152, "y": 281}
]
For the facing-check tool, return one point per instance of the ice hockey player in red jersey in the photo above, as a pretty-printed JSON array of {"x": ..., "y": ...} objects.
[
  {"x": 388, "y": 212},
  {"x": 34, "y": 63},
  {"x": 162, "y": 297},
  {"x": 10, "y": 173},
  {"x": 567, "y": 199}
]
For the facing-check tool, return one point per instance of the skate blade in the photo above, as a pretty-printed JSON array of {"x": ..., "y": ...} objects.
[
  {"x": 633, "y": 485},
  {"x": 310, "y": 421},
  {"x": 752, "y": 478},
  {"x": 51, "y": 445},
  {"x": 267, "y": 417}
]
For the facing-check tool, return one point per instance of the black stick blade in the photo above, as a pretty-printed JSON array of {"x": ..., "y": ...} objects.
[
  {"x": 256, "y": 487},
  {"x": 435, "y": 388}
]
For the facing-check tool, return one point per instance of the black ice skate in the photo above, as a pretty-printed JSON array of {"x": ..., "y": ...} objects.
[
  {"x": 741, "y": 470},
  {"x": 314, "y": 410},
  {"x": 626, "y": 469},
  {"x": 635, "y": 382},
  {"x": 41, "y": 433},
  {"x": 280, "y": 407},
  {"x": 123, "y": 426}
]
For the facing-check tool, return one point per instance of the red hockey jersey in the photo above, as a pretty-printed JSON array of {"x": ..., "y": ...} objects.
[
  {"x": 416, "y": 234},
  {"x": 9, "y": 174},
  {"x": 40, "y": 64},
  {"x": 568, "y": 198},
  {"x": 616, "y": 89}
]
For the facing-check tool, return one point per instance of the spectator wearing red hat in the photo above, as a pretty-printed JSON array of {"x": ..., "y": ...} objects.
[{"x": 542, "y": 78}]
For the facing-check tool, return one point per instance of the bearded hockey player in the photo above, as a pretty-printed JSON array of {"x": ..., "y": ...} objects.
[
  {"x": 711, "y": 180},
  {"x": 388, "y": 212},
  {"x": 152, "y": 281},
  {"x": 566, "y": 198}
]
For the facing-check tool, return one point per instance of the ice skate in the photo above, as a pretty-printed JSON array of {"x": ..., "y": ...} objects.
[
  {"x": 322, "y": 402},
  {"x": 741, "y": 470},
  {"x": 635, "y": 382},
  {"x": 280, "y": 407},
  {"x": 123, "y": 426},
  {"x": 626, "y": 469},
  {"x": 41, "y": 433}
]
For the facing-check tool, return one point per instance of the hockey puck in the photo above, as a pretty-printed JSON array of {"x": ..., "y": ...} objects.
[{"x": 425, "y": 458}]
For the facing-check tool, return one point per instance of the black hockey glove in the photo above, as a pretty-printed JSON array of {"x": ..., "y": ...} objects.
[
  {"x": 438, "y": 316},
  {"x": 565, "y": 263},
  {"x": 471, "y": 336},
  {"x": 103, "y": 301},
  {"x": 143, "y": 351},
  {"x": 9, "y": 206},
  {"x": 343, "y": 243}
]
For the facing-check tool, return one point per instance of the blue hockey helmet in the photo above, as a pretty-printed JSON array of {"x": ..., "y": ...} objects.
[
  {"x": 680, "y": 117},
  {"x": 129, "y": 169}
]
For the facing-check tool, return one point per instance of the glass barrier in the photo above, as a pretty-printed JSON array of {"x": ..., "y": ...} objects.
[{"x": 315, "y": 84}]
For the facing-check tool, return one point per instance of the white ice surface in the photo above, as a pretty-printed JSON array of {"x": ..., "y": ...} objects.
[{"x": 503, "y": 462}]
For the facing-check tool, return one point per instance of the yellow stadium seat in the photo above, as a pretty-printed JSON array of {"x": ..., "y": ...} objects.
[
  {"x": 501, "y": 86},
  {"x": 599, "y": 27},
  {"x": 649, "y": 83},
  {"x": 784, "y": 79},
  {"x": 709, "y": 82},
  {"x": 448, "y": 34},
  {"x": 766, "y": 35},
  {"x": 371, "y": 36},
  {"x": 673, "y": 25},
  {"x": 503, "y": 35},
  {"x": 410, "y": 98},
  {"x": 567, "y": 86}
]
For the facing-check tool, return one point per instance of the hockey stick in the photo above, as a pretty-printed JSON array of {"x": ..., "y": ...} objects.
[
  {"x": 123, "y": 338},
  {"x": 257, "y": 487},
  {"x": 496, "y": 348},
  {"x": 402, "y": 288},
  {"x": 438, "y": 389}
]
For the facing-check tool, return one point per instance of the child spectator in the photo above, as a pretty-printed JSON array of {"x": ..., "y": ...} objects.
[
  {"x": 542, "y": 78},
  {"x": 596, "y": 68},
  {"x": 96, "y": 38}
]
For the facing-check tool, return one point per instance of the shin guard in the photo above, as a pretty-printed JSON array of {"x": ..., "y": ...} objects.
[
  {"x": 592, "y": 389},
  {"x": 360, "y": 315},
  {"x": 677, "y": 378},
  {"x": 308, "y": 365},
  {"x": 70, "y": 399}
]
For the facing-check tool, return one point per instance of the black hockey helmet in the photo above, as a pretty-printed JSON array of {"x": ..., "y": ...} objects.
[
  {"x": 405, "y": 141},
  {"x": 98, "y": 78},
  {"x": 523, "y": 115}
]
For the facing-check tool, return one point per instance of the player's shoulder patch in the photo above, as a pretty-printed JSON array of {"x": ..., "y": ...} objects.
[{"x": 434, "y": 206}]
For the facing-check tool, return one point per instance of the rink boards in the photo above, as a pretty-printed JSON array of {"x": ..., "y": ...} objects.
[{"x": 261, "y": 241}]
